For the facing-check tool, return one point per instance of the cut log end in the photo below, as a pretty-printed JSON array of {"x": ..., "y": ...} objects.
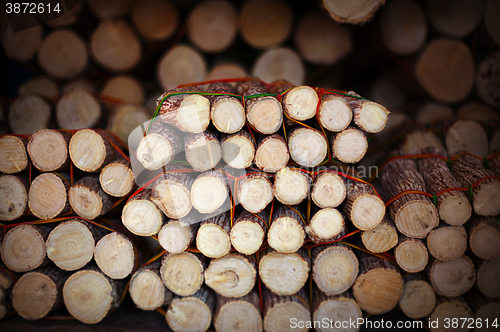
[
  {"x": 371, "y": 117},
  {"x": 338, "y": 309},
  {"x": 452, "y": 309},
  {"x": 228, "y": 115},
  {"x": 13, "y": 156},
  {"x": 78, "y": 109},
  {"x": 353, "y": 12},
  {"x": 325, "y": 224},
  {"x": 208, "y": 194},
  {"x": 467, "y": 136},
  {"x": 255, "y": 193},
  {"x": 411, "y": 255},
  {"x": 334, "y": 114},
  {"x": 175, "y": 236},
  {"x": 181, "y": 65},
  {"x": 278, "y": 318},
  {"x": 447, "y": 243},
  {"x": 238, "y": 316},
  {"x": 452, "y": 278},
  {"x": 23, "y": 248},
  {"x": 328, "y": 191},
  {"x": 88, "y": 150},
  {"x": 194, "y": 114},
  {"x": 423, "y": 211},
  {"x": 286, "y": 235},
  {"x": 300, "y": 103},
  {"x": 115, "y": 255},
  {"x": 13, "y": 197},
  {"x": 147, "y": 290},
  {"x": 307, "y": 147},
  {"x": 487, "y": 201},
  {"x": 291, "y": 186},
  {"x": 487, "y": 278},
  {"x": 335, "y": 269},
  {"x": 154, "y": 151},
  {"x": 247, "y": 237},
  {"x": 213, "y": 241},
  {"x": 142, "y": 217},
  {"x": 203, "y": 152},
  {"x": 182, "y": 273},
  {"x": 350, "y": 145},
  {"x": 381, "y": 238},
  {"x": 188, "y": 314},
  {"x": 418, "y": 299},
  {"x": 173, "y": 198},
  {"x": 48, "y": 196},
  {"x": 34, "y": 295},
  {"x": 485, "y": 238},
  {"x": 367, "y": 211},
  {"x": 272, "y": 154},
  {"x": 117, "y": 179},
  {"x": 266, "y": 115},
  {"x": 238, "y": 151},
  {"x": 48, "y": 150},
  {"x": 29, "y": 114},
  {"x": 86, "y": 202},
  {"x": 455, "y": 210}
]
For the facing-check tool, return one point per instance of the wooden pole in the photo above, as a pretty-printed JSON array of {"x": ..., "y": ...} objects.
[
  {"x": 141, "y": 216},
  {"x": 238, "y": 314},
  {"x": 329, "y": 190},
  {"x": 280, "y": 64},
  {"x": 272, "y": 153},
  {"x": 249, "y": 231},
  {"x": 147, "y": 289},
  {"x": 349, "y": 145},
  {"x": 181, "y": 65},
  {"x": 307, "y": 147},
  {"x": 353, "y": 12},
  {"x": 287, "y": 231},
  {"x": 203, "y": 151},
  {"x": 192, "y": 313},
  {"x": 23, "y": 45},
  {"x": 48, "y": 196},
  {"x": 78, "y": 109},
  {"x": 13, "y": 197},
  {"x": 411, "y": 254},
  {"x": 291, "y": 185},
  {"x": 447, "y": 243},
  {"x": 177, "y": 235},
  {"x": 451, "y": 278},
  {"x": 183, "y": 273},
  {"x": 487, "y": 277},
  {"x": 279, "y": 311},
  {"x": 255, "y": 192},
  {"x": 171, "y": 192},
  {"x": 450, "y": 308},
  {"x": 466, "y": 136},
  {"x": 160, "y": 146},
  {"x": 334, "y": 113},
  {"x": 226, "y": 112},
  {"x": 334, "y": 309},
  {"x": 213, "y": 238},
  {"x": 362, "y": 206},
  {"x": 125, "y": 119},
  {"x": 87, "y": 198},
  {"x": 418, "y": 299},
  {"x": 484, "y": 238},
  {"x": 238, "y": 149},
  {"x": 456, "y": 19},
  {"x": 23, "y": 247},
  {"x": 115, "y": 255},
  {"x": 326, "y": 225},
  {"x": 41, "y": 86},
  {"x": 13, "y": 156},
  {"x": 28, "y": 114},
  {"x": 48, "y": 150},
  {"x": 156, "y": 20},
  {"x": 382, "y": 238},
  {"x": 117, "y": 178},
  {"x": 209, "y": 191}
]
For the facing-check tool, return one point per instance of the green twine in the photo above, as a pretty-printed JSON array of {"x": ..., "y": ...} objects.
[{"x": 435, "y": 200}]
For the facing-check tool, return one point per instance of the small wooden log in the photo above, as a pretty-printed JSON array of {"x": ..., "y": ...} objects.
[
  {"x": 212, "y": 25},
  {"x": 147, "y": 289},
  {"x": 192, "y": 313},
  {"x": 280, "y": 64},
  {"x": 79, "y": 84},
  {"x": 156, "y": 20},
  {"x": 238, "y": 314},
  {"x": 238, "y": 150},
  {"x": 249, "y": 231},
  {"x": 187, "y": 112},
  {"x": 329, "y": 190},
  {"x": 487, "y": 77},
  {"x": 272, "y": 153},
  {"x": 445, "y": 70},
  {"x": 389, "y": 284},
  {"x": 485, "y": 309},
  {"x": 41, "y": 86},
  {"x": 213, "y": 238},
  {"x": 28, "y": 114},
  {"x": 265, "y": 24},
  {"x": 110, "y": 9},
  {"x": 335, "y": 268},
  {"x": 452, "y": 308},
  {"x": 485, "y": 237},
  {"x": 353, "y": 12},
  {"x": 23, "y": 247},
  {"x": 78, "y": 109},
  {"x": 418, "y": 299},
  {"x": 70, "y": 245},
  {"x": 477, "y": 112},
  {"x": 264, "y": 113},
  {"x": 203, "y": 150},
  {"x": 418, "y": 141},
  {"x": 90, "y": 151},
  {"x": 183, "y": 273},
  {"x": 141, "y": 216},
  {"x": 123, "y": 89},
  {"x": 334, "y": 113},
  {"x": 160, "y": 146},
  {"x": 13, "y": 197},
  {"x": 209, "y": 191},
  {"x": 291, "y": 185},
  {"x": 281, "y": 311},
  {"x": 115, "y": 255},
  {"x": 367, "y": 115},
  {"x": 87, "y": 198},
  {"x": 172, "y": 194},
  {"x": 411, "y": 254},
  {"x": 108, "y": 42},
  {"x": 226, "y": 112},
  {"x": 233, "y": 275},
  {"x": 117, "y": 178},
  {"x": 486, "y": 194},
  {"x": 13, "y": 156},
  {"x": 89, "y": 295},
  {"x": 382, "y": 238},
  {"x": 307, "y": 147},
  {"x": 39, "y": 292},
  {"x": 23, "y": 45},
  {"x": 451, "y": 278},
  {"x": 467, "y": 136},
  {"x": 362, "y": 206},
  {"x": 255, "y": 192},
  {"x": 125, "y": 119},
  {"x": 287, "y": 231},
  {"x": 48, "y": 196},
  {"x": 414, "y": 214},
  {"x": 487, "y": 277},
  {"x": 300, "y": 103},
  {"x": 455, "y": 19},
  {"x": 326, "y": 225},
  {"x": 63, "y": 54},
  {"x": 181, "y": 65},
  {"x": 284, "y": 274},
  {"x": 403, "y": 27},
  {"x": 349, "y": 145},
  {"x": 432, "y": 112},
  {"x": 447, "y": 243},
  {"x": 48, "y": 150},
  {"x": 334, "y": 309},
  {"x": 177, "y": 235}
]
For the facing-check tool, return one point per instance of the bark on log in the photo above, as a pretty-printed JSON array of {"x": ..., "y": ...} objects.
[
  {"x": 48, "y": 150},
  {"x": 23, "y": 247},
  {"x": 192, "y": 313},
  {"x": 349, "y": 145},
  {"x": 418, "y": 141},
  {"x": 418, "y": 299},
  {"x": 484, "y": 238},
  {"x": 287, "y": 231},
  {"x": 307, "y": 147},
  {"x": 249, "y": 231},
  {"x": 367, "y": 115},
  {"x": 485, "y": 195},
  {"x": 23, "y": 45},
  {"x": 70, "y": 245},
  {"x": 456, "y": 19},
  {"x": 334, "y": 308},
  {"x": 279, "y": 311},
  {"x": 238, "y": 314},
  {"x": 141, "y": 216},
  {"x": 178, "y": 234},
  {"x": 117, "y": 178},
  {"x": 265, "y": 113},
  {"x": 233, "y": 275},
  {"x": 452, "y": 308},
  {"x": 284, "y": 274},
  {"x": 13, "y": 156},
  {"x": 78, "y": 109},
  {"x": 29, "y": 114},
  {"x": 335, "y": 268},
  {"x": 487, "y": 78},
  {"x": 156, "y": 20},
  {"x": 334, "y": 113},
  {"x": 362, "y": 206},
  {"x": 159, "y": 147},
  {"x": 226, "y": 112},
  {"x": 213, "y": 238},
  {"x": 386, "y": 294},
  {"x": 447, "y": 243},
  {"x": 48, "y": 196},
  {"x": 87, "y": 198},
  {"x": 89, "y": 295},
  {"x": 451, "y": 278},
  {"x": 329, "y": 190},
  {"x": 353, "y": 12},
  {"x": 291, "y": 186},
  {"x": 181, "y": 65},
  {"x": 272, "y": 153},
  {"x": 209, "y": 191},
  {"x": 487, "y": 277},
  {"x": 172, "y": 194},
  {"x": 183, "y": 273},
  {"x": 238, "y": 149},
  {"x": 115, "y": 255},
  {"x": 280, "y": 64},
  {"x": 255, "y": 192},
  {"x": 125, "y": 119},
  {"x": 466, "y": 136},
  {"x": 90, "y": 151},
  {"x": 326, "y": 225},
  {"x": 382, "y": 238},
  {"x": 39, "y": 292},
  {"x": 13, "y": 197},
  {"x": 147, "y": 289},
  {"x": 411, "y": 254},
  {"x": 414, "y": 214},
  {"x": 203, "y": 150}
]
